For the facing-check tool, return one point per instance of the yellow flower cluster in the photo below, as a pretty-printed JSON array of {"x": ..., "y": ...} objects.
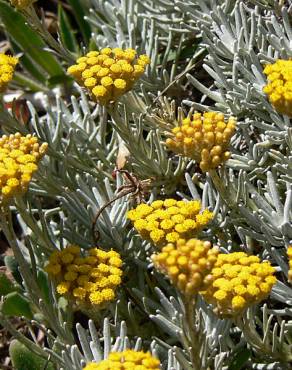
[
  {"x": 238, "y": 281},
  {"x": 7, "y": 67},
  {"x": 166, "y": 221},
  {"x": 89, "y": 280},
  {"x": 279, "y": 87},
  {"x": 187, "y": 263},
  {"x": 109, "y": 73},
  {"x": 19, "y": 157},
  {"x": 289, "y": 254},
  {"x": 204, "y": 138},
  {"x": 126, "y": 360},
  {"x": 21, "y": 4}
]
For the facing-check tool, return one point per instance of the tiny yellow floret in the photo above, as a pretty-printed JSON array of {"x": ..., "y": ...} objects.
[
  {"x": 107, "y": 73},
  {"x": 7, "y": 67},
  {"x": 289, "y": 254},
  {"x": 126, "y": 360},
  {"x": 166, "y": 221},
  {"x": 89, "y": 280},
  {"x": 238, "y": 281},
  {"x": 186, "y": 263},
  {"x": 279, "y": 86},
  {"x": 19, "y": 158},
  {"x": 204, "y": 138}
]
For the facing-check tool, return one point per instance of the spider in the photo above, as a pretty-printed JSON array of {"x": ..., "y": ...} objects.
[{"x": 137, "y": 188}]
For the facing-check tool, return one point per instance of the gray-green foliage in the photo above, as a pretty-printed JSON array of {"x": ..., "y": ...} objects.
[{"x": 229, "y": 42}]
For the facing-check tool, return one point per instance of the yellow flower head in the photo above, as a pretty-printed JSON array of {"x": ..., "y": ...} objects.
[
  {"x": 19, "y": 157},
  {"x": 187, "y": 263},
  {"x": 109, "y": 73},
  {"x": 238, "y": 281},
  {"x": 7, "y": 67},
  {"x": 90, "y": 280},
  {"x": 289, "y": 254},
  {"x": 126, "y": 360},
  {"x": 204, "y": 138},
  {"x": 279, "y": 86},
  {"x": 166, "y": 221}
]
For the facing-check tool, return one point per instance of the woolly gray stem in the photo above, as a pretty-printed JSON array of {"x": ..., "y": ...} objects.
[
  {"x": 227, "y": 198},
  {"x": 192, "y": 333}
]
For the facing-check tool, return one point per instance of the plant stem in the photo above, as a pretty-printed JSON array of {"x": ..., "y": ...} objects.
[
  {"x": 38, "y": 26},
  {"x": 227, "y": 198},
  {"x": 193, "y": 334},
  {"x": 25, "y": 81}
]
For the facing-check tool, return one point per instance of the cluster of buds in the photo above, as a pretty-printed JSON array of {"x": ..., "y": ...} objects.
[
  {"x": 7, "y": 67},
  {"x": 109, "y": 73},
  {"x": 126, "y": 360},
  {"x": 89, "y": 280},
  {"x": 279, "y": 87},
  {"x": 166, "y": 221},
  {"x": 19, "y": 157},
  {"x": 204, "y": 138},
  {"x": 238, "y": 281},
  {"x": 187, "y": 264}
]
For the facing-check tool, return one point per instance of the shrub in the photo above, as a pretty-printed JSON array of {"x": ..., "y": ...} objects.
[{"x": 145, "y": 177}]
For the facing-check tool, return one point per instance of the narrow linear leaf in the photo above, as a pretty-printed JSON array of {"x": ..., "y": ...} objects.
[
  {"x": 43, "y": 285},
  {"x": 6, "y": 286},
  {"x": 66, "y": 31},
  {"x": 79, "y": 14},
  {"x": 28, "y": 83},
  {"x": 27, "y": 64},
  {"x": 12, "y": 265},
  {"x": 24, "y": 359},
  {"x": 16, "y": 305},
  {"x": 27, "y": 40}
]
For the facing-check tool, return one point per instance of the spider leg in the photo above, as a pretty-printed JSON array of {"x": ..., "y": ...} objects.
[
  {"x": 124, "y": 187},
  {"x": 96, "y": 235},
  {"x": 130, "y": 177}
]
